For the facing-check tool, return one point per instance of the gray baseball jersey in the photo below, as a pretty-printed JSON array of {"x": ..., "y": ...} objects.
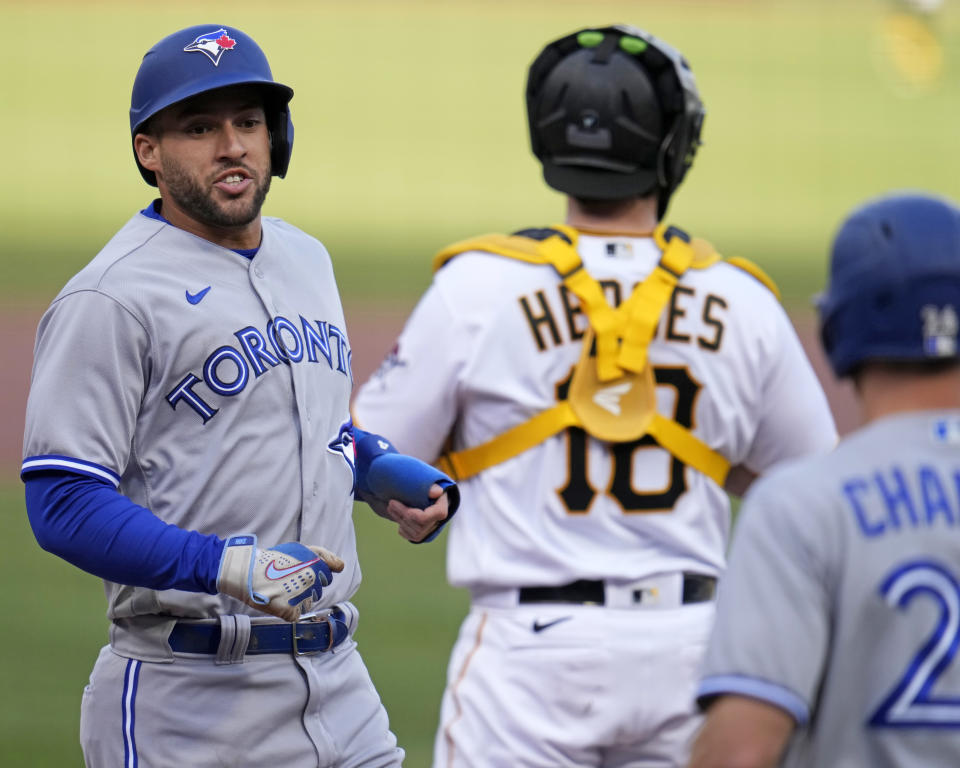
[
  {"x": 841, "y": 604},
  {"x": 207, "y": 387}
]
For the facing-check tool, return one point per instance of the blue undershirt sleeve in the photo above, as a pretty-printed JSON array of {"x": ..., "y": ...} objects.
[{"x": 90, "y": 524}]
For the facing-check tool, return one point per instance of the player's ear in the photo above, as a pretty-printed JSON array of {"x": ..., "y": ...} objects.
[{"x": 146, "y": 148}]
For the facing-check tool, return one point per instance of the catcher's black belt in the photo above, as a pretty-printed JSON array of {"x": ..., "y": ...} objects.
[
  {"x": 315, "y": 635},
  {"x": 697, "y": 588}
]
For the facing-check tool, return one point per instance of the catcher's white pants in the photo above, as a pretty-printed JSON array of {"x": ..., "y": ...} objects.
[
  {"x": 600, "y": 687},
  {"x": 271, "y": 710}
]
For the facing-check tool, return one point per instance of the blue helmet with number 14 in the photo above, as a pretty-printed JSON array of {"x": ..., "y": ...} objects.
[
  {"x": 894, "y": 285},
  {"x": 205, "y": 58}
]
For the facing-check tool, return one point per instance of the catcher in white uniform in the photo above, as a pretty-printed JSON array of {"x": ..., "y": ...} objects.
[
  {"x": 839, "y": 620},
  {"x": 594, "y": 386}
]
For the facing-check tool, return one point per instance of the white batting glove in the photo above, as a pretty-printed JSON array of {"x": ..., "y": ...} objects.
[{"x": 284, "y": 580}]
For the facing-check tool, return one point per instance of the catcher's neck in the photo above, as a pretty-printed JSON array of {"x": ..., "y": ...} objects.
[{"x": 635, "y": 216}]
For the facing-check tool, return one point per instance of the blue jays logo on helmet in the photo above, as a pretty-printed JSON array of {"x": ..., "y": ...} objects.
[{"x": 213, "y": 45}]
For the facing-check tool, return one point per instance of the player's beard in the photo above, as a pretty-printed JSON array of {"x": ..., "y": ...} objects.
[{"x": 196, "y": 200}]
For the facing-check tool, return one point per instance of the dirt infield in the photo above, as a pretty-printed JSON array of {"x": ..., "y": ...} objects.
[{"x": 372, "y": 330}]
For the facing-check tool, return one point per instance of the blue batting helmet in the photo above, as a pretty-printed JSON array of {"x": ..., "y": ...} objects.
[
  {"x": 894, "y": 287},
  {"x": 204, "y": 58}
]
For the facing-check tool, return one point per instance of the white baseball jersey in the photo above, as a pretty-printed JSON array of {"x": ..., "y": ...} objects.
[
  {"x": 208, "y": 387},
  {"x": 492, "y": 343},
  {"x": 842, "y": 602}
]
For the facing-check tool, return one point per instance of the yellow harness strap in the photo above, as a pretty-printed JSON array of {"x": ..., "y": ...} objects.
[
  {"x": 643, "y": 309},
  {"x": 674, "y": 438},
  {"x": 689, "y": 448},
  {"x": 513, "y": 442},
  {"x": 562, "y": 255},
  {"x": 526, "y": 249},
  {"x": 622, "y": 337}
]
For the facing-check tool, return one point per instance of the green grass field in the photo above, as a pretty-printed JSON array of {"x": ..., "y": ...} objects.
[
  {"x": 53, "y": 626},
  {"x": 411, "y": 131},
  {"x": 411, "y": 134}
]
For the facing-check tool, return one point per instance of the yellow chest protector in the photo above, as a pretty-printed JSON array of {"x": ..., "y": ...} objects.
[{"x": 612, "y": 394}]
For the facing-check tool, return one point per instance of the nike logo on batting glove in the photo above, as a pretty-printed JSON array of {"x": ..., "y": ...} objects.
[{"x": 273, "y": 573}]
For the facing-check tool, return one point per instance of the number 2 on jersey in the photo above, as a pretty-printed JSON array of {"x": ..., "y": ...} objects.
[
  {"x": 578, "y": 494},
  {"x": 911, "y": 704}
]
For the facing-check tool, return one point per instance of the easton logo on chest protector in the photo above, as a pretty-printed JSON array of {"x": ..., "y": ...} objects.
[
  {"x": 612, "y": 394},
  {"x": 608, "y": 398}
]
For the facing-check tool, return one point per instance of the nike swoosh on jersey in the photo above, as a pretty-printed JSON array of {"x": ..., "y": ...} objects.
[
  {"x": 196, "y": 298},
  {"x": 609, "y": 397},
  {"x": 538, "y": 627},
  {"x": 273, "y": 573}
]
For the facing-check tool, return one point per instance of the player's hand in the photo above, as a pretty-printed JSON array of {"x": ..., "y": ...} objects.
[
  {"x": 418, "y": 497},
  {"x": 284, "y": 580},
  {"x": 416, "y": 524}
]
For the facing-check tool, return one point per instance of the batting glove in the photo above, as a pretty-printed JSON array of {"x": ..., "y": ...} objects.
[{"x": 284, "y": 580}]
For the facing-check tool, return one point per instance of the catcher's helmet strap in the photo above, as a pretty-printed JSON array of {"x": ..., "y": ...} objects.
[{"x": 603, "y": 50}]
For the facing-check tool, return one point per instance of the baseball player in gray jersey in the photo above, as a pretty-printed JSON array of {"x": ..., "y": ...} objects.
[
  {"x": 602, "y": 383},
  {"x": 188, "y": 439},
  {"x": 839, "y": 620}
]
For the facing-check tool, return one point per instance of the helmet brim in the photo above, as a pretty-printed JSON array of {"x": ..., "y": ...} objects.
[{"x": 282, "y": 94}]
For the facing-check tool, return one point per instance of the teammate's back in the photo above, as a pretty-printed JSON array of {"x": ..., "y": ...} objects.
[
  {"x": 874, "y": 525},
  {"x": 839, "y": 620},
  {"x": 899, "y": 540}
]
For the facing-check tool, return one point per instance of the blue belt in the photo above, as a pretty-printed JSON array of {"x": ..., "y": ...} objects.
[{"x": 299, "y": 638}]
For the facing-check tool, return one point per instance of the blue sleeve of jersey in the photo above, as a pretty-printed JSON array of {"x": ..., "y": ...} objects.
[
  {"x": 93, "y": 526},
  {"x": 385, "y": 474}
]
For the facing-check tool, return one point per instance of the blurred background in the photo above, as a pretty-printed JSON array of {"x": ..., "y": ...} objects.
[{"x": 410, "y": 134}]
